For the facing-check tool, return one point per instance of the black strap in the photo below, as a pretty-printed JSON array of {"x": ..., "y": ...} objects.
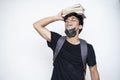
[
  {"x": 59, "y": 45},
  {"x": 83, "y": 46}
]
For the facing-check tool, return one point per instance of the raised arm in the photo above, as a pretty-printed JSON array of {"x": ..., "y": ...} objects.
[{"x": 40, "y": 25}]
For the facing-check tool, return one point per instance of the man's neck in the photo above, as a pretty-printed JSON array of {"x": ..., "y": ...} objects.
[{"x": 73, "y": 40}]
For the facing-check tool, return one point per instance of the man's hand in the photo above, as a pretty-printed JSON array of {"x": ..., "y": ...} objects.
[{"x": 59, "y": 15}]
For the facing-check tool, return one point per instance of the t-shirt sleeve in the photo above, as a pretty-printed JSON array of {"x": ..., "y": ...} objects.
[
  {"x": 54, "y": 39},
  {"x": 91, "y": 58}
]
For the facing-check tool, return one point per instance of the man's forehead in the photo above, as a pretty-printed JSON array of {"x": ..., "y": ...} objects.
[{"x": 72, "y": 17}]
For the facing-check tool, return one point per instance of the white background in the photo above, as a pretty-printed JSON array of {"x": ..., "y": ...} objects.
[{"x": 24, "y": 54}]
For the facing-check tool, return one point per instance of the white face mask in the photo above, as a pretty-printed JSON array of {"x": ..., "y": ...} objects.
[{"x": 71, "y": 32}]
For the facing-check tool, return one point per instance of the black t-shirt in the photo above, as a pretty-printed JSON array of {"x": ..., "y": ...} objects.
[{"x": 68, "y": 64}]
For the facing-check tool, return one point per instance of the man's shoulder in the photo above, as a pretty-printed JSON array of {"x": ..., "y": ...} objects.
[
  {"x": 54, "y": 37},
  {"x": 55, "y": 34},
  {"x": 89, "y": 45}
]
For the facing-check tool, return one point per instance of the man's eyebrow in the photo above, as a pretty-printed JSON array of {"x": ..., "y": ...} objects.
[{"x": 74, "y": 17}]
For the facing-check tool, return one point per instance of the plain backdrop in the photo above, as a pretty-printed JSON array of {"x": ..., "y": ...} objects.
[{"x": 24, "y": 54}]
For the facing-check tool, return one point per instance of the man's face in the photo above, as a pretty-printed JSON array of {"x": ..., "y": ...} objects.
[{"x": 71, "y": 22}]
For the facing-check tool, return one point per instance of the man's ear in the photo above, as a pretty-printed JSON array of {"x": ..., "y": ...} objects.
[{"x": 80, "y": 26}]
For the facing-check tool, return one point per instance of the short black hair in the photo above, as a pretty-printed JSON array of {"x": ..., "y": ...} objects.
[{"x": 78, "y": 16}]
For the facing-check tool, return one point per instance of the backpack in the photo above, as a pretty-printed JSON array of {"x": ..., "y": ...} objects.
[{"x": 83, "y": 47}]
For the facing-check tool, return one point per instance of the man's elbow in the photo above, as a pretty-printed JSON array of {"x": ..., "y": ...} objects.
[{"x": 35, "y": 25}]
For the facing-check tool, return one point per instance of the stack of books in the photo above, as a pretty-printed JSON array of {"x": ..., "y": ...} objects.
[{"x": 74, "y": 8}]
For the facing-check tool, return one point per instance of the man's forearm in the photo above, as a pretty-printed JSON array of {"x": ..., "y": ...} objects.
[
  {"x": 94, "y": 73},
  {"x": 45, "y": 21},
  {"x": 95, "y": 76}
]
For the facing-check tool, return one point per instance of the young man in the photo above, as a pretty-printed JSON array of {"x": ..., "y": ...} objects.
[{"x": 68, "y": 64}]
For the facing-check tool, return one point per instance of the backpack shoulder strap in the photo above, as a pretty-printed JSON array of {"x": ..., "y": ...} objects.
[
  {"x": 59, "y": 45},
  {"x": 84, "y": 51}
]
